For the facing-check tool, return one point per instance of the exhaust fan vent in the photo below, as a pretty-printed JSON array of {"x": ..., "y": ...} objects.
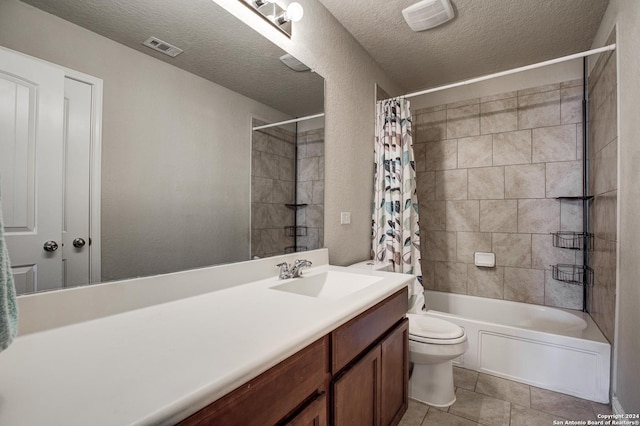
[
  {"x": 162, "y": 47},
  {"x": 428, "y": 14},
  {"x": 293, "y": 63}
]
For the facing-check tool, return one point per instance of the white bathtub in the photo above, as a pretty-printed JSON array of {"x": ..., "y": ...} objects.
[{"x": 550, "y": 348}]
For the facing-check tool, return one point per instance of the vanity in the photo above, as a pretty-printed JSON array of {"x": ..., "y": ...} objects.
[{"x": 231, "y": 344}]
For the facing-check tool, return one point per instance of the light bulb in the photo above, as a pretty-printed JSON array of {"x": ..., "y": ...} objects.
[{"x": 294, "y": 12}]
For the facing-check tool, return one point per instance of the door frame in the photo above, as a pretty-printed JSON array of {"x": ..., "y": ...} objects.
[{"x": 95, "y": 160}]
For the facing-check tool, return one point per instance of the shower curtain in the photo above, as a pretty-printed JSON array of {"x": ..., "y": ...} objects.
[{"x": 395, "y": 234}]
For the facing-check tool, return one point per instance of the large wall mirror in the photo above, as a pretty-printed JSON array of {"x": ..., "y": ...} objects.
[{"x": 185, "y": 180}]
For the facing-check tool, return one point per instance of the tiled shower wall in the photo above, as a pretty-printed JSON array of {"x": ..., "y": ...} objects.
[
  {"x": 603, "y": 181},
  {"x": 489, "y": 171},
  {"x": 310, "y": 188},
  {"x": 272, "y": 186}
]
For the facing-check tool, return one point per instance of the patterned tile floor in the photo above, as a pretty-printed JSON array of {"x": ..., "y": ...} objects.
[{"x": 483, "y": 399}]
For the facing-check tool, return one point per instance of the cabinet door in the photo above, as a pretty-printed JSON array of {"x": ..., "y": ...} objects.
[
  {"x": 394, "y": 374},
  {"x": 356, "y": 394},
  {"x": 315, "y": 414}
]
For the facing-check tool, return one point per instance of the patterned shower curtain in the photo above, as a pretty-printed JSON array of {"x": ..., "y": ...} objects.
[{"x": 396, "y": 237}]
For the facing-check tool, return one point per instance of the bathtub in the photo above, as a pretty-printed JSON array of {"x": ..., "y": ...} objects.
[{"x": 551, "y": 348}]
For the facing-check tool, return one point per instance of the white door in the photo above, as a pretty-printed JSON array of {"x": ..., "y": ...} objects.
[
  {"x": 31, "y": 172},
  {"x": 76, "y": 184}
]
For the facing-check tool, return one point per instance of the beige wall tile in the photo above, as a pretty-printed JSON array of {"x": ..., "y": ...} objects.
[
  {"x": 485, "y": 282},
  {"x": 525, "y": 181},
  {"x": 604, "y": 169},
  {"x": 486, "y": 183},
  {"x": 512, "y": 148},
  {"x": 539, "y": 110},
  {"x": 603, "y": 125},
  {"x": 426, "y": 186},
  {"x": 561, "y": 294},
  {"x": 539, "y": 89},
  {"x": 463, "y": 121},
  {"x": 499, "y": 216},
  {"x": 571, "y": 105},
  {"x": 557, "y": 143},
  {"x": 538, "y": 216},
  {"x": 512, "y": 249},
  {"x": 564, "y": 179},
  {"x": 499, "y": 96},
  {"x": 451, "y": 277},
  {"x": 463, "y": 215},
  {"x": 603, "y": 308},
  {"x": 475, "y": 151},
  {"x": 524, "y": 285},
  {"x": 451, "y": 184},
  {"x": 441, "y": 155},
  {"x": 419, "y": 156},
  {"x": 439, "y": 245},
  {"x": 470, "y": 242},
  {"x": 499, "y": 116},
  {"x": 465, "y": 102},
  {"x": 571, "y": 215},
  {"x": 433, "y": 215},
  {"x": 430, "y": 126},
  {"x": 544, "y": 254}
]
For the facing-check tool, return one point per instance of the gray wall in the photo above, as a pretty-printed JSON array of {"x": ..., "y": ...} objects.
[
  {"x": 489, "y": 171},
  {"x": 624, "y": 17},
  {"x": 173, "y": 145}
]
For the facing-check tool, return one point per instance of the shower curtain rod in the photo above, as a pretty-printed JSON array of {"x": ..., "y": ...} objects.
[
  {"x": 295, "y": 120},
  {"x": 512, "y": 71}
]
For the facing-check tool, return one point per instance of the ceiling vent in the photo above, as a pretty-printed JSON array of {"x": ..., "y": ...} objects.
[
  {"x": 293, "y": 63},
  {"x": 428, "y": 14},
  {"x": 162, "y": 47}
]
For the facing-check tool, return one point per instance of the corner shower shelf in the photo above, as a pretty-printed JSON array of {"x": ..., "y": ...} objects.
[
  {"x": 573, "y": 240},
  {"x": 295, "y": 231},
  {"x": 574, "y": 274}
]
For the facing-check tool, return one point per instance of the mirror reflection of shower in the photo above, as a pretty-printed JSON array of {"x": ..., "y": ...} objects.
[{"x": 287, "y": 186}]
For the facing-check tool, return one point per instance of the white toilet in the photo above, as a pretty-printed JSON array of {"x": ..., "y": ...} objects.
[{"x": 433, "y": 345}]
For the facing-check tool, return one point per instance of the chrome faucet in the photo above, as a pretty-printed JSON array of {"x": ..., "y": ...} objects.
[{"x": 294, "y": 271}]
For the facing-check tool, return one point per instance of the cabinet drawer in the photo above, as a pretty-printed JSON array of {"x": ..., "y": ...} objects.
[
  {"x": 350, "y": 339},
  {"x": 272, "y": 395}
]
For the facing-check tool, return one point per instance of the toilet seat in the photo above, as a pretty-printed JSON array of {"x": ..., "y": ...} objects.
[{"x": 432, "y": 330}]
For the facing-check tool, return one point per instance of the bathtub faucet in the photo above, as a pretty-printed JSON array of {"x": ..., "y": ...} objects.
[{"x": 294, "y": 271}]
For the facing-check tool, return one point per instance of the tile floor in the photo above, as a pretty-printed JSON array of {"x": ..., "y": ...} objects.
[{"x": 483, "y": 399}]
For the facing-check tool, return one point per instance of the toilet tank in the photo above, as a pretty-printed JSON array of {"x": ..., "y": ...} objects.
[{"x": 372, "y": 266}]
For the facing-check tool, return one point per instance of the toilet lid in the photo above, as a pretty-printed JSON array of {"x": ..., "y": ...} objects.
[{"x": 433, "y": 328}]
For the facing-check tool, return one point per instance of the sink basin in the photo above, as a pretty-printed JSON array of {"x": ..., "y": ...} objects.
[{"x": 327, "y": 285}]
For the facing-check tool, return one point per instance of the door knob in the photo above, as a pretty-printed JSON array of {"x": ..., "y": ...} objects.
[
  {"x": 50, "y": 246},
  {"x": 79, "y": 242}
]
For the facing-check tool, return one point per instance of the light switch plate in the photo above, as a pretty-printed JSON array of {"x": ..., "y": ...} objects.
[{"x": 345, "y": 218}]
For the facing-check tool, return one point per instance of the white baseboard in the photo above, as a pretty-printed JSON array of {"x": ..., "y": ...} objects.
[{"x": 616, "y": 407}]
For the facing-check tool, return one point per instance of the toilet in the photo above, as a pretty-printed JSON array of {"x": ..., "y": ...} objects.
[{"x": 433, "y": 345}]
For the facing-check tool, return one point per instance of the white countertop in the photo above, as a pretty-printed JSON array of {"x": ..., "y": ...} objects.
[{"x": 159, "y": 364}]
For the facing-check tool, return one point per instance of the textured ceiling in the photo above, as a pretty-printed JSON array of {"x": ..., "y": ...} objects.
[
  {"x": 485, "y": 36},
  {"x": 216, "y": 46}
]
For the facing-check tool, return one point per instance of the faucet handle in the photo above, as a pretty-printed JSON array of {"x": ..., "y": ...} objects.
[
  {"x": 284, "y": 270},
  {"x": 302, "y": 262}
]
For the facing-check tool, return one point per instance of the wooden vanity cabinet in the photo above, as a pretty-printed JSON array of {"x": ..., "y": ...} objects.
[
  {"x": 370, "y": 364},
  {"x": 294, "y": 389},
  {"x": 356, "y": 375}
]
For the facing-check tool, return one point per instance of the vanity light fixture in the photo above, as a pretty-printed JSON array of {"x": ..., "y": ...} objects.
[{"x": 275, "y": 14}]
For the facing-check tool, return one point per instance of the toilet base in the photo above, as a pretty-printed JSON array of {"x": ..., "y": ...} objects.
[{"x": 433, "y": 384}]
